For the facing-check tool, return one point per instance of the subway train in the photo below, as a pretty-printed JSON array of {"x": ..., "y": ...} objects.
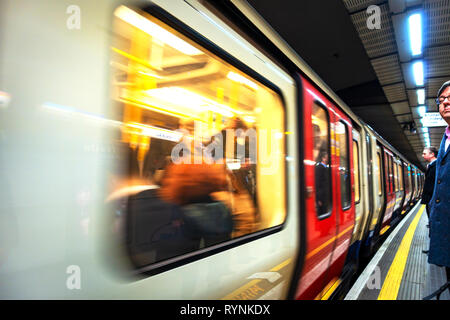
[{"x": 180, "y": 150}]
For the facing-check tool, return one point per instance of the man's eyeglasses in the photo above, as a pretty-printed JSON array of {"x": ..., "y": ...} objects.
[{"x": 441, "y": 99}]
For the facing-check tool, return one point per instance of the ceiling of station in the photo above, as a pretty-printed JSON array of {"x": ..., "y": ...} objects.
[{"x": 370, "y": 69}]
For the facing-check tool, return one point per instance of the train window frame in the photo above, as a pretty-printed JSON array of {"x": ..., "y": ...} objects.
[
  {"x": 406, "y": 187},
  {"x": 380, "y": 175},
  {"x": 396, "y": 175},
  {"x": 389, "y": 176},
  {"x": 401, "y": 182},
  {"x": 349, "y": 183},
  {"x": 330, "y": 175},
  {"x": 196, "y": 37},
  {"x": 358, "y": 174}
]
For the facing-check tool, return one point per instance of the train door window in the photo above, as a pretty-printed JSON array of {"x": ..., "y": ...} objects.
[
  {"x": 205, "y": 140},
  {"x": 391, "y": 175},
  {"x": 379, "y": 174},
  {"x": 405, "y": 179},
  {"x": 409, "y": 178},
  {"x": 344, "y": 167},
  {"x": 400, "y": 172},
  {"x": 396, "y": 176},
  {"x": 356, "y": 169},
  {"x": 322, "y": 170}
]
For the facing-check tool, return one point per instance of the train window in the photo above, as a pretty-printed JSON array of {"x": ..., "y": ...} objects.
[
  {"x": 400, "y": 176},
  {"x": 344, "y": 168},
  {"x": 379, "y": 174},
  {"x": 389, "y": 174},
  {"x": 322, "y": 171},
  {"x": 202, "y": 149},
  {"x": 405, "y": 179},
  {"x": 356, "y": 169},
  {"x": 393, "y": 177},
  {"x": 396, "y": 176},
  {"x": 410, "y": 182}
]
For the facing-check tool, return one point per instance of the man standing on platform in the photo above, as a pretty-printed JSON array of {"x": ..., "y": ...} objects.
[
  {"x": 439, "y": 252},
  {"x": 429, "y": 154}
]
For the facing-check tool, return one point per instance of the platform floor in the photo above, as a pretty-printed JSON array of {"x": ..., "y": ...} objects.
[{"x": 399, "y": 270}]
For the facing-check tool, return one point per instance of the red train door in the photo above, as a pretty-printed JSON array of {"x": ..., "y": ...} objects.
[
  {"x": 320, "y": 181},
  {"x": 342, "y": 166}
]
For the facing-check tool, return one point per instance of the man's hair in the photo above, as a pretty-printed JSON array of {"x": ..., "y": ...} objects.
[
  {"x": 433, "y": 150},
  {"x": 444, "y": 86}
]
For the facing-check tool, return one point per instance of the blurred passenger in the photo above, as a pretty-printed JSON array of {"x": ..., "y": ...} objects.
[
  {"x": 322, "y": 174},
  {"x": 439, "y": 251},
  {"x": 242, "y": 174},
  {"x": 149, "y": 227},
  {"x": 191, "y": 184}
]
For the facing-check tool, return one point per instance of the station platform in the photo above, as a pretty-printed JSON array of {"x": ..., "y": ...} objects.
[{"x": 399, "y": 270}]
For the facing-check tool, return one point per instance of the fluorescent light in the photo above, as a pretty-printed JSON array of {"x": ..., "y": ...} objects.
[
  {"x": 422, "y": 110},
  {"x": 154, "y": 30},
  {"x": 425, "y": 129},
  {"x": 151, "y": 75},
  {"x": 238, "y": 78},
  {"x": 415, "y": 33},
  {"x": 418, "y": 73},
  {"x": 249, "y": 119},
  {"x": 180, "y": 98},
  {"x": 156, "y": 132},
  {"x": 420, "y": 96}
]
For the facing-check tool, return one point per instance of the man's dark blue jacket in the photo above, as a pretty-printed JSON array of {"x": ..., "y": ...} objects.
[{"x": 439, "y": 253}]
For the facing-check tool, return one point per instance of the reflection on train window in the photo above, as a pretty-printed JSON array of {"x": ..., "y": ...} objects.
[
  {"x": 379, "y": 173},
  {"x": 356, "y": 168},
  {"x": 203, "y": 149},
  {"x": 321, "y": 137},
  {"x": 344, "y": 168}
]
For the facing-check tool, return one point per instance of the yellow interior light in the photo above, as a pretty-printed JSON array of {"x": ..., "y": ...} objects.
[
  {"x": 154, "y": 30},
  {"x": 150, "y": 75},
  {"x": 249, "y": 119},
  {"x": 156, "y": 132},
  {"x": 181, "y": 98},
  {"x": 238, "y": 78}
]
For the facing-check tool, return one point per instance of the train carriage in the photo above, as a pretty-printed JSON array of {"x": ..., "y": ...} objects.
[{"x": 97, "y": 196}]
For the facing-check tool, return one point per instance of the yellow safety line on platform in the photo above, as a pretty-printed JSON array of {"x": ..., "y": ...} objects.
[{"x": 391, "y": 284}]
